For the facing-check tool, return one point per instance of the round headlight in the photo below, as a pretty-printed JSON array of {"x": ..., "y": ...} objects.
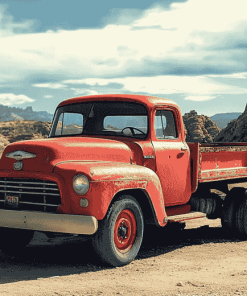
[{"x": 80, "y": 184}]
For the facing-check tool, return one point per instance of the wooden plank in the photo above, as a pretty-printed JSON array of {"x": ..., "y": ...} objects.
[{"x": 184, "y": 217}]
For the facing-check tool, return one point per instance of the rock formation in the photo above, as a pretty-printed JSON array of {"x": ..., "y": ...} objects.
[
  {"x": 200, "y": 128},
  {"x": 236, "y": 130},
  {"x": 13, "y": 131}
]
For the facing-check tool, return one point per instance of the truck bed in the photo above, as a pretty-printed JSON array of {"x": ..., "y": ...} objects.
[{"x": 218, "y": 162}]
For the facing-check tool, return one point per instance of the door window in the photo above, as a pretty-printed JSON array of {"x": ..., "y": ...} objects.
[{"x": 165, "y": 125}]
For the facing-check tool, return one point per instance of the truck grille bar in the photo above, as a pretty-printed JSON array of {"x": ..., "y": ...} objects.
[
  {"x": 29, "y": 194},
  {"x": 23, "y": 192}
]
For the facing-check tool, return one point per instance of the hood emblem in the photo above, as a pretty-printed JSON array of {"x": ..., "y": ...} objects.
[
  {"x": 19, "y": 155},
  {"x": 18, "y": 166}
]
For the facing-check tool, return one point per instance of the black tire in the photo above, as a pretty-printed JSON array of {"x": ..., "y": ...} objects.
[
  {"x": 14, "y": 240},
  {"x": 120, "y": 234},
  {"x": 241, "y": 217},
  {"x": 230, "y": 206},
  {"x": 216, "y": 206}
]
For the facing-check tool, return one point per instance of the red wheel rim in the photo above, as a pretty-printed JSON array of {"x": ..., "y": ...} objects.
[{"x": 125, "y": 231}]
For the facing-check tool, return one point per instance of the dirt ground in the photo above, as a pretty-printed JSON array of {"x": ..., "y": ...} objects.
[{"x": 199, "y": 260}]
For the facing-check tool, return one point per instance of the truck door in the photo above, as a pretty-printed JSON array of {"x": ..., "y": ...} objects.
[{"x": 172, "y": 159}]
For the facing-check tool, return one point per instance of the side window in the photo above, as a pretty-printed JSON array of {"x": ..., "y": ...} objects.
[{"x": 165, "y": 125}]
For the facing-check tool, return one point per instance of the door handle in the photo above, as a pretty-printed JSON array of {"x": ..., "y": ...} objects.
[{"x": 183, "y": 149}]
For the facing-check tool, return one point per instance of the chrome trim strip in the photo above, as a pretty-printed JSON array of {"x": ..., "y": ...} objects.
[
  {"x": 23, "y": 192},
  {"x": 21, "y": 187},
  {"x": 76, "y": 224},
  {"x": 26, "y": 182}
]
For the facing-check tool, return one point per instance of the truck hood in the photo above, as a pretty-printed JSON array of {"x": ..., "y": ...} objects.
[{"x": 49, "y": 152}]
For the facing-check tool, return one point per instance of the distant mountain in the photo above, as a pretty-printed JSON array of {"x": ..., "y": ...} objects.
[
  {"x": 12, "y": 113},
  {"x": 222, "y": 119}
]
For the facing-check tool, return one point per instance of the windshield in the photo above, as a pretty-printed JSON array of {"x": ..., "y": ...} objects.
[{"x": 108, "y": 118}]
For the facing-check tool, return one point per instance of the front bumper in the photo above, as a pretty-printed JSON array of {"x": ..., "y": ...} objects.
[{"x": 76, "y": 224}]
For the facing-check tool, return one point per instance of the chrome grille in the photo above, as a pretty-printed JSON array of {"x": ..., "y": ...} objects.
[{"x": 33, "y": 194}]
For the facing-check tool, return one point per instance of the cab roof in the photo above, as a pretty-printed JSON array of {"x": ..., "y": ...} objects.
[{"x": 149, "y": 101}]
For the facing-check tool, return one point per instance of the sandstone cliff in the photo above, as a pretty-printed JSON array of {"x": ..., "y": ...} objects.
[
  {"x": 236, "y": 130},
  {"x": 200, "y": 128}
]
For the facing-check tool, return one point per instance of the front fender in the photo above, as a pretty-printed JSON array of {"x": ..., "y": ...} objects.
[{"x": 106, "y": 180}]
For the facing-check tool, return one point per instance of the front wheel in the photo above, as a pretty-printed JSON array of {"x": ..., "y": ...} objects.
[{"x": 120, "y": 233}]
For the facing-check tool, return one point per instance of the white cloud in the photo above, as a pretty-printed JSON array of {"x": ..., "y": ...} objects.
[
  {"x": 199, "y": 98},
  {"x": 48, "y": 96},
  {"x": 89, "y": 81},
  {"x": 234, "y": 75},
  {"x": 190, "y": 85},
  {"x": 9, "y": 99},
  {"x": 84, "y": 92},
  {"x": 186, "y": 38},
  {"x": 50, "y": 85},
  {"x": 197, "y": 15}
]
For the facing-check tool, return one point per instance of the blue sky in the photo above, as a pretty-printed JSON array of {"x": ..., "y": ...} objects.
[{"x": 193, "y": 52}]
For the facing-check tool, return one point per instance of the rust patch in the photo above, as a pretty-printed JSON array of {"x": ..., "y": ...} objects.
[{"x": 223, "y": 148}]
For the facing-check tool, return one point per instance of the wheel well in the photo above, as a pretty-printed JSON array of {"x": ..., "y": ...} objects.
[{"x": 144, "y": 202}]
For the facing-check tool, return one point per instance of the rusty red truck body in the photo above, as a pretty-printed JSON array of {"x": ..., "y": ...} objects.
[{"x": 111, "y": 165}]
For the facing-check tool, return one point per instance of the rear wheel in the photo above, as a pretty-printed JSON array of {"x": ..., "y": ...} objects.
[
  {"x": 231, "y": 205},
  {"x": 13, "y": 240},
  {"x": 120, "y": 234},
  {"x": 241, "y": 217}
]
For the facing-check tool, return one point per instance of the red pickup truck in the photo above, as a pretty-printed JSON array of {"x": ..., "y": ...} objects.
[{"x": 111, "y": 165}]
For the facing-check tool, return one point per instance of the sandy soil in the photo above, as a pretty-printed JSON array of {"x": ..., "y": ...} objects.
[{"x": 199, "y": 260}]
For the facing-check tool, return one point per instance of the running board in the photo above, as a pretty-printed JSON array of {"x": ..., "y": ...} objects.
[{"x": 184, "y": 217}]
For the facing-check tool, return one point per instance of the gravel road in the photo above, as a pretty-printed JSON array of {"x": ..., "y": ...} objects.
[{"x": 199, "y": 260}]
